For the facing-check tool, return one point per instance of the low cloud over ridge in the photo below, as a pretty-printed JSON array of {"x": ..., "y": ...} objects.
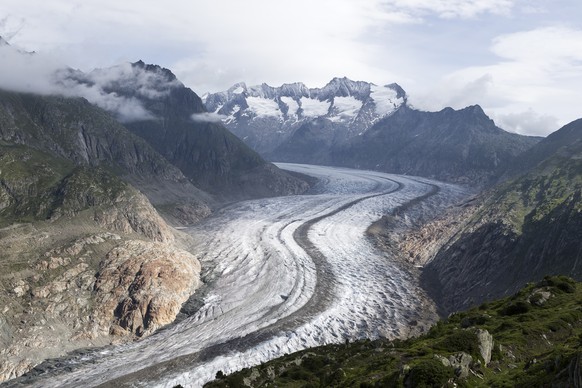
[{"x": 41, "y": 74}]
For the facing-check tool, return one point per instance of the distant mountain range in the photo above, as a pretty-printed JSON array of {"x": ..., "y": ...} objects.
[
  {"x": 265, "y": 116},
  {"x": 358, "y": 124}
]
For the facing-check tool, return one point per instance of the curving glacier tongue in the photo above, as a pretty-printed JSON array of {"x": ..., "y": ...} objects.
[{"x": 283, "y": 274}]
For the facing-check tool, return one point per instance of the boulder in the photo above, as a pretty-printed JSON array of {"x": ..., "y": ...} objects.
[{"x": 485, "y": 345}]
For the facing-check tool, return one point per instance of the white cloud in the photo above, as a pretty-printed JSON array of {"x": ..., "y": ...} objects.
[
  {"x": 208, "y": 117},
  {"x": 449, "y": 9},
  {"x": 528, "y": 122},
  {"x": 43, "y": 74},
  {"x": 536, "y": 71}
]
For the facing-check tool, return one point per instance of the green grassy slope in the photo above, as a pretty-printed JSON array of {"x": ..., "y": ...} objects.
[{"x": 537, "y": 341}]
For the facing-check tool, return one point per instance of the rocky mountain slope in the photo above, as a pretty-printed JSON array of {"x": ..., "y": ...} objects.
[
  {"x": 529, "y": 339},
  {"x": 86, "y": 260},
  {"x": 176, "y": 124},
  {"x": 522, "y": 230},
  {"x": 265, "y": 116},
  {"x": 459, "y": 146},
  {"x": 76, "y": 130}
]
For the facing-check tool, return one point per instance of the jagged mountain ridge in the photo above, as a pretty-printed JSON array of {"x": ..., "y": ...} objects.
[
  {"x": 361, "y": 125},
  {"x": 463, "y": 146},
  {"x": 524, "y": 229},
  {"x": 265, "y": 116},
  {"x": 175, "y": 125}
]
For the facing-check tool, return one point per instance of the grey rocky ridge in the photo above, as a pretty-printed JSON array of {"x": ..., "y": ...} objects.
[
  {"x": 361, "y": 125},
  {"x": 175, "y": 123}
]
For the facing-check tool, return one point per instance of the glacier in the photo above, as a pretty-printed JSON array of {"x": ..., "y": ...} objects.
[{"x": 281, "y": 274}]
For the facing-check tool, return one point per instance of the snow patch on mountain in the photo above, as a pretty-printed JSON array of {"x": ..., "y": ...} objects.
[
  {"x": 292, "y": 107},
  {"x": 313, "y": 107},
  {"x": 347, "y": 107},
  {"x": 264, "y": 107},
  {"x": 386, "y": 99}
]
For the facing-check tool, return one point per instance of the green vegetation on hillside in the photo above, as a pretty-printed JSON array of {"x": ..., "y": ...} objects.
[
  {"x": 536, "y": 341},
  {"x": 526, "y": 228},
  {"x": 36, "y": 186},
  {"x": 534, "y": 196}
]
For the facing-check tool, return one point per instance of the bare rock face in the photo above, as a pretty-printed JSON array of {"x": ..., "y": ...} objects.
[
  {"x": 93, "y": 291},
  {"x": 134, "y": 213},
  {"x": 461, "y": 362},
  {"x": 141, "y": 286}
]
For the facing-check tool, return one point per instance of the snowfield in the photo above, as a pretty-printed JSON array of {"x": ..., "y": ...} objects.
[{"x": 281, "y": 274}]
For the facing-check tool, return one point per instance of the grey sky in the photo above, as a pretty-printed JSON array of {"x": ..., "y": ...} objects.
[{"x": 521, "y": 60}]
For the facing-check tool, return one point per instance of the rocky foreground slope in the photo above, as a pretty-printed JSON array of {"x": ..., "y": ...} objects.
[
  {"x": 529, "y": 339},
  {"x": 86, "y": 260}
]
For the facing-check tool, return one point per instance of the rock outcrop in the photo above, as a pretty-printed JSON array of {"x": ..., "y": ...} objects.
[
  {"x": 141, "y": 286},
  {"x": 96, "y": 290},
  {"x": 485, "y": 345}
]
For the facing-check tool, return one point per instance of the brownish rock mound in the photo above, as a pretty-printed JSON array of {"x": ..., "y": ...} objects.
[{"x": 141, "y": 286}]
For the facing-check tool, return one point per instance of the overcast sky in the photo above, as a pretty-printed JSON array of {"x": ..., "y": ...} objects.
[{"x": 521, "y": 60}]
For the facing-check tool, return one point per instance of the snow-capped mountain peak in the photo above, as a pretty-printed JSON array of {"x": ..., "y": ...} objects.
[
  {"x": 341, "y": 100},
  {"x": 263, "y": 110}
]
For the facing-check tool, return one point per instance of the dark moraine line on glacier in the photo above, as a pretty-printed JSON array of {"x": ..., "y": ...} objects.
[{"x": 320, "y": 301}]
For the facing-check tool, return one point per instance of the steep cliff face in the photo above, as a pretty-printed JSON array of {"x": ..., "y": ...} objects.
[
  {"x": 180, "y": 129},
  {"x": 77, "y": 131},
  {"x": 65, "y": 232},
  {"x": 523, "y": 230},
  {"x": 141, "y": 286}
]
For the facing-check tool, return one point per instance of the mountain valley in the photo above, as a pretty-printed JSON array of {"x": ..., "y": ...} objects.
[{"x": 144, "y": 243}]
